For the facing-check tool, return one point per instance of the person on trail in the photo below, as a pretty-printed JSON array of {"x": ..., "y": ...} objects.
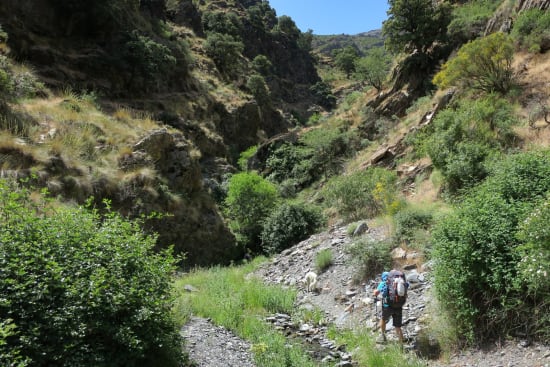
[{"x": 392, "y": 302}]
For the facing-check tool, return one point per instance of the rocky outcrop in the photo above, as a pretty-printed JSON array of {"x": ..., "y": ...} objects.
[
  {"x": 502, "y": 20},
  {"x": 533, "y": 4},
  {"x": 187, "y": 14},
  {"x": 191, "y": 221}
]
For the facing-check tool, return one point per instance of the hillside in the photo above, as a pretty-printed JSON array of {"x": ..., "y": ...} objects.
[
  {"x": 326, "y": 44},
  {"x": 149, "y": 113}
]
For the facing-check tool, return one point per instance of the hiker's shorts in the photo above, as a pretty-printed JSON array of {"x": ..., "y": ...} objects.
[{"x": 395, "y": 313}]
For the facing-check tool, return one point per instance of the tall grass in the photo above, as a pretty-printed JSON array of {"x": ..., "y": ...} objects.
[
  {"x": 240, "y": 303},
  {"x": 367, "y": 353}
]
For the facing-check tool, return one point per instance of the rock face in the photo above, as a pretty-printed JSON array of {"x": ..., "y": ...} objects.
[
  {"x": 533, "y": 4},
  {"x": 193, "y": 224}
]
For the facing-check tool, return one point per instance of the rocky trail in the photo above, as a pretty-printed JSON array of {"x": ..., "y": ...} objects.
[{"x": 347, "y": 304}]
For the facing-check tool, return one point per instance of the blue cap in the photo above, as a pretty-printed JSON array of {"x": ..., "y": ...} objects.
[{"x": 385, "y": 276}]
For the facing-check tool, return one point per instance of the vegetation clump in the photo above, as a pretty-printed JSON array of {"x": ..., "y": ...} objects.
[
  {"x": 480, "y": 276},
  {"x": 78, "y": 288},
  {"x": 288, "y": 225}
]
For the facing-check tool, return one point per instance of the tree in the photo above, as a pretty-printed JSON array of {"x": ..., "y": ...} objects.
[
  {"x": 287, "y": 26},
  {"x": 415, "y": 24},
  {"x": 225, "y": 50},
  {"x": 484, "y": 64},
  {"x": 250, "y": 199},
  {"x": 259, "y": 89},
  {"x": 345, "y": 59},
  {"x": 374, "y": 67}
]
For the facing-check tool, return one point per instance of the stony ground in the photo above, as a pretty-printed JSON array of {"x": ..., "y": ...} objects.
[{"x": 347, "y": 303}]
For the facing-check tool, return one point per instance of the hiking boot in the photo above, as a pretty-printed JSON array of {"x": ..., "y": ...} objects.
[{"x": 381, "y": 339}]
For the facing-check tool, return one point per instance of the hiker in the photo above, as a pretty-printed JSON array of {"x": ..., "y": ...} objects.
[{"x": 393, "y": 292}]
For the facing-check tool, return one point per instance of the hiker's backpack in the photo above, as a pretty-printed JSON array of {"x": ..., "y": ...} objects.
[{"x": 396, "y": 289}]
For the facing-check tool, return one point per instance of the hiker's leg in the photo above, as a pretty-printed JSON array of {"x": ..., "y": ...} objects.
[
  {"x": 399, "y": 333},
  {"x": 385, "y": 316},
  {"x": 398, "y": 322}
]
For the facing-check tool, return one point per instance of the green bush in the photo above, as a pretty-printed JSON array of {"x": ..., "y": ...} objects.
[
  {"x": 224, "y": 50},
  {"x": 459, "y": 141},
  {"x": 532, "y": 30},
  {"x": 288, "y": 225},
  {"x": 408, "y": 221},
  {"x": 374, "y": 67},
  {"x": 534, "y": 267},
  {"x": 250, "y": 200},
  {"x": 317, "y": 154},
  {"x": 484, "y": 64},
  {"x": 469, "y": 20},
  {"x": 362, "y": 194},
  {"x": 258, "y": 88},
  {"x": 81, "y": 289},
  {"x": 286, "y": 26},
  {"x": 222, "y": 22},
  {"x": 477, "y": 251},
  {"x": 372, "y": 258},
  {"x": 323, "y": 259},
  {"x": 262, "y": 65},
  {"x": 291, "y": 161},
  {"x": 323, "y": 93},
  {"x": 245, "y": 156}
]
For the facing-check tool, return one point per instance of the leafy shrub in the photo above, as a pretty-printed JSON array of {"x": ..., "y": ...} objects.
[
  {"x": 477, "y": 251},
  {"x": 372, "y": 257},
  {"x": 259, "y": 89},
  {"x": 224, "y": 50},
  {"x": 81, "y": 289},
  {"x": 262, "y": 65},
  {"x": 374, "y": 67},
  {"x": 363, "y": 194},
  {"x": 484, "y": 64},
  {"x": 415, "y": 25},
  {"x": 532, "y": 30},
  {"x": 323, "y": 259},
  {"x": 286, "y": 26},
  {"x": 250, "y": 200},
  {"x": 469, "y": 19},
  {"x": 148, "y": 59},
  {"x": 317, "y": 153},
  {"x": 328, "y": 145},
  {"x": 534, "y": 267},
  {"x": 222, "y": 22},
  {"x": 324, "y": 95},
  {"x": 288, "y": 225},
  {"x": 289, "y": 161},
  {"x": 345, "y": 59},
  {"x": 305, "y": 40},
  {"x": 462, "y": 139},
  {"x": 245, "y": 156},
  {"x": 408, "y": 221},
  {"x": 6, "y": 82}
]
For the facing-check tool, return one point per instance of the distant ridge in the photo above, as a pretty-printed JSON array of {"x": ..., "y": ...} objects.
[{"x": 325, "y": 44}]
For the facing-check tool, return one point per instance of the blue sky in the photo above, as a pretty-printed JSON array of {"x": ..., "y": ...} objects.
[{"x": 334, "y": 16}]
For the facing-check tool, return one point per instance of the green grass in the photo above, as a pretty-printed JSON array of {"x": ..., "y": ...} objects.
[
  {"x": 323, "y": 259},
  {"x": 239, "y": 303},
  {"x": 367, "y": 353}
]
